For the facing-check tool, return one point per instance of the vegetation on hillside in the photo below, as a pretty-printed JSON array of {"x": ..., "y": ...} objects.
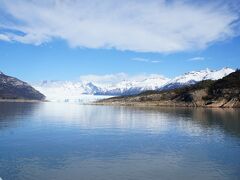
[{"x": 223, "y": 92}]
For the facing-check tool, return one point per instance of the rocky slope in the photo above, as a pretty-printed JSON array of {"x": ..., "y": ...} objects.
[
  {"x": 209, "y": 93},
  {"x": 15, "y": 89}
]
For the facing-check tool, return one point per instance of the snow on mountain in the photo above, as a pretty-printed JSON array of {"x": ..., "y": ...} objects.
[
  {"x": 196, "y": 76},
  {"x": 82, "y": 90},
  {"x": 74, "y": 91},
  {"x": 133, "y": 86}
]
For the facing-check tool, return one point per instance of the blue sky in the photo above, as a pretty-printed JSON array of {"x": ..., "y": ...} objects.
[{"x": 54, "y": 40}]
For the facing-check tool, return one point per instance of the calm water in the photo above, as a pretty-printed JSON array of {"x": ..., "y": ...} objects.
[{"x": 50, "y": 141}]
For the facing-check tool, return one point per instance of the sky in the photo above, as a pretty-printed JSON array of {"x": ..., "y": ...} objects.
[{"x": 72, "y": 39}]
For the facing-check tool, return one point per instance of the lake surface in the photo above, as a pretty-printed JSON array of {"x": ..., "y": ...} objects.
[{"x": 48, "y": 141}]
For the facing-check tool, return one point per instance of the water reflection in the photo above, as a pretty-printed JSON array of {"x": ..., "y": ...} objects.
[
  {"x": 71, "y": 141},
  {"x": 12, "y": 114},
  {"x": 120, "y": 117},
  {"x": 152, "y": 119}
]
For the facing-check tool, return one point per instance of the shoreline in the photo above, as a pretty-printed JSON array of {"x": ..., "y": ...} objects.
[
  {"x": 133, "y": 104},
  {"x": 162, "y": 104},
  {"x": 22, "y": 100}
]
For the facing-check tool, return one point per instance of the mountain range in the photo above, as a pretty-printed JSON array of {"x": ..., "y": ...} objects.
[
  {"x": 221, "y": 93},
  {"x": 74, "y": 90}
]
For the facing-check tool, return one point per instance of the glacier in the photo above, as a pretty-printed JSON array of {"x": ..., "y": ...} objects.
[{"x": 84, "y": 92}]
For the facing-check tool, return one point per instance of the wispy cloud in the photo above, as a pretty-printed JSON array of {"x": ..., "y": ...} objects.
[
  {"x": 145, "y": 60},
  {"x": 156, "y": 61},
  {"x": 197, "y": 59},
  {"x": 140, "y": 59},
  {"x": 144, "y": 26}
]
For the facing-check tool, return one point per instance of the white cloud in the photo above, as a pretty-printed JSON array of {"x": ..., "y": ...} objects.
[
  {"x": 197, "y": 59},
  {"x": 4, "y": 38},
  {"x": 118, "y": 77},
  {"x": 107, "y": 78},
  {"x": 136, "y": 25}
]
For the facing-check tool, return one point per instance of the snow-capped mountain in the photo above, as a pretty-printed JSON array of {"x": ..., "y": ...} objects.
[
  {"x": 74, "y": 90},
  {"x": 196, "y": 76},
  {"x": 133, "y": 87}
]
